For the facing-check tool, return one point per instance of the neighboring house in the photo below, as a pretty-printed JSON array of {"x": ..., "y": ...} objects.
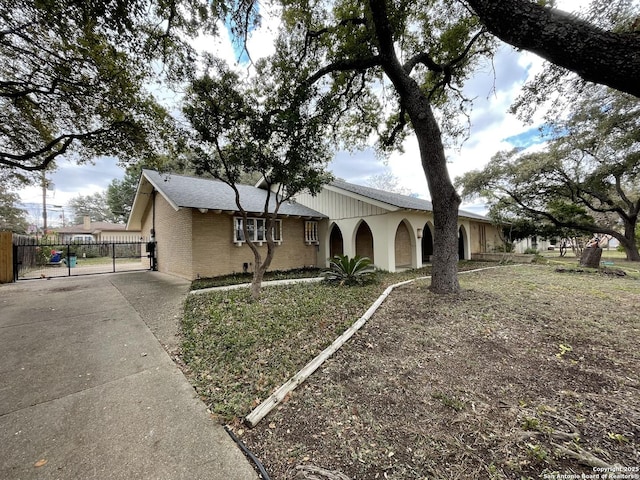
[
  {"x": 395, "y": 231},
  {"x": 543, "y": 244},
  {"x": 198, "y": 229},
  {"x": 90, "y": 231},
  {"x": 536, "y": 243}
]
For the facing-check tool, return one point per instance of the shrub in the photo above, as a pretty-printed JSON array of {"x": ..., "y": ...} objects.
[
  {"x": 350, "y": 271},
  {"x": 531, "y": 251},
  {"x": 506, "y": 247}
]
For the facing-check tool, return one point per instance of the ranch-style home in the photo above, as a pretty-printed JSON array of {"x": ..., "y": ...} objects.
[{"x": 198, "y": 229}]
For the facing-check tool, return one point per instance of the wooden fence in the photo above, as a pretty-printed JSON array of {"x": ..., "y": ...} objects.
[{"x": 6, "y": 257}]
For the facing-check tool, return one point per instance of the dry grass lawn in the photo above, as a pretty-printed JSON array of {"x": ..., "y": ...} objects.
[{"x": 527, "y": 372}]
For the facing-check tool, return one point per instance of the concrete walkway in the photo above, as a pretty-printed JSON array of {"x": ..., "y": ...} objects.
[{"x": 88, "y": 392}]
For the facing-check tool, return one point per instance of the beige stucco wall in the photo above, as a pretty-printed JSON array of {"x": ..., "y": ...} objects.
[
  {"x": 384, "y": 228},
  {"x": 484, "y": 237},
  {"x": 393, "y": 245}
]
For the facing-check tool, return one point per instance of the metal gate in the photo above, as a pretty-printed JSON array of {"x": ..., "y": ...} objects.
[{"x": 34, "y": 259}]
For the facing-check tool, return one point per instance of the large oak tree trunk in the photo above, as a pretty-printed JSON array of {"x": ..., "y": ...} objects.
[
  {"x": 445, "y": 200},
  {"x": 629, "y": 241}
]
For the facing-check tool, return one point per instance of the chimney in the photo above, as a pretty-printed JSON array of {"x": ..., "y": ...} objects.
[{"x": 87, "y": 222}]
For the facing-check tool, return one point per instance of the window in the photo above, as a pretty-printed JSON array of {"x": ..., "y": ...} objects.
[
  {"x": 82, "y": 239},
  {"x": 256, "y": 229},
  {"x": 311, "y": 232}
]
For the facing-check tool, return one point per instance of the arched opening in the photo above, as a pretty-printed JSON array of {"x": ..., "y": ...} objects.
[
  {"x": 336, "y": 243},
  {"x": 427, "y": 244},
  {"x": 364, "y": 241},
  {"x": 461, "y": 244},
  {"x": 403, "y": 246}
]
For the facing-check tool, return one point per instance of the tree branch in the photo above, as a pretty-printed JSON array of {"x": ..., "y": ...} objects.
[
  {"x": 53, "y": 149},
  {"x": 343, "y": 66},
  {"x": 402, "y": 122},
  {"x": 596, "y": 55}
]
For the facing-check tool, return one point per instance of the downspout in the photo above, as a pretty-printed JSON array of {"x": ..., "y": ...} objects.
[
  {"x": 153, "y": 214},
  {"x": 154, "y": 255}
]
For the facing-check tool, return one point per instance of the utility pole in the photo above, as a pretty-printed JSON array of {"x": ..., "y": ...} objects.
[{"x": 46, "y": 185}]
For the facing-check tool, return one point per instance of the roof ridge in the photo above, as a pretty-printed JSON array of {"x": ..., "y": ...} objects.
[{"x": 192, "y": 176}]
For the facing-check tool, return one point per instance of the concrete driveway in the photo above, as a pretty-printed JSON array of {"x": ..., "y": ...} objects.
[{"x": 88, "y": 392}]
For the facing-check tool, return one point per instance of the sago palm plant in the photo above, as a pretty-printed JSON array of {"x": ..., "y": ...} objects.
[{"x": 350, "y": 271}]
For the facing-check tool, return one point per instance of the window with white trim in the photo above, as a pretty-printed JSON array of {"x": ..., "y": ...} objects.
[
  {"x": 256, "y": 230},
  {"x": 311, "y": 232}
]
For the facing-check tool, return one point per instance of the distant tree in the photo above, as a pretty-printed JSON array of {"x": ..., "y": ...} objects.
[
  {"x": 12, "y": 217},
  {"x": 120, "y": 194},
  {"x": 388, "y": 182},
  {"x": 95, "y": 206},
  {"x": 240, "y": 129},
  {"x": 587, "y": 179}
]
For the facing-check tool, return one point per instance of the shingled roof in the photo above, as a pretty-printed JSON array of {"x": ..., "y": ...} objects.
[
  {"x": 396, "y": 199},
  {"x": 183, "y": 191}
]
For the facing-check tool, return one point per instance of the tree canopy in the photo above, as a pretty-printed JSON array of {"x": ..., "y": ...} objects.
[
  {"x": 94, "y": 206},
  {"x": 587, "y": 179},
  {"x": 74, "y": 75},
  {"x": 389, "y": 68},
  {"x": 257, "y": 125},
  {"x": 12, "y": 217}
]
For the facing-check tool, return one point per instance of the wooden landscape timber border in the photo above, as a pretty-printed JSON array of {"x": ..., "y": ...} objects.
[{"x": 276, "y": 397}]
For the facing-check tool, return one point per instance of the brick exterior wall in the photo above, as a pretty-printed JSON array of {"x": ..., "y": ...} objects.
[
  {"x": 173, "y": 234},
  {"x": 215, "y": 253},
  {"x": 192, "y": 244}
]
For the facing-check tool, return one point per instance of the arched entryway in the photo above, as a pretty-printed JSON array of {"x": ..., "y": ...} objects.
[
  {"x": 427, "y": 244},
  {"x": 336, "y": 242},
  {"x": 364, "y": 241},
  {"x": 461, "y": 244},
  {"x": 403, "y": 246}
]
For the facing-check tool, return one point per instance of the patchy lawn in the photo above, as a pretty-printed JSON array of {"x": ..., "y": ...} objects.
[
  {"x": 236, "y": 352},
  {"x": 528, "y": 371}
]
